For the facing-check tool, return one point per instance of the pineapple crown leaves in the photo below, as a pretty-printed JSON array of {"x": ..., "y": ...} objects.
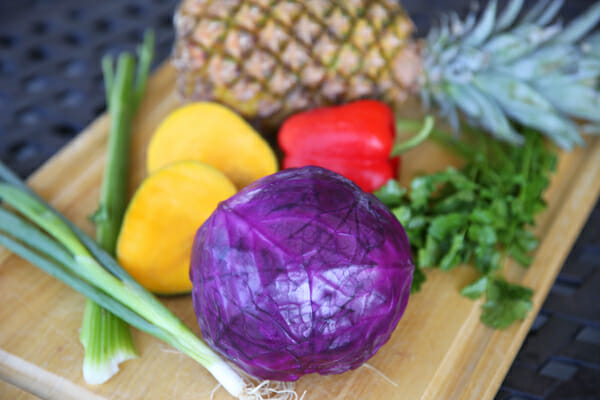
[{"x": 519, "y": 65}]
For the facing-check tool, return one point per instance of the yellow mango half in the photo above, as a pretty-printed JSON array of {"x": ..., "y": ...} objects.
[
  {"x": 211, "y": 133},
  {"x": 158, "y": 228}
]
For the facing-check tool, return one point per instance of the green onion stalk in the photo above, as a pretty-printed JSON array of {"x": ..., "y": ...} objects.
[
  {"x": 35, "y": 231},
  {"x": 38, "y": 233},
  {"x": 105, "y": 337}
]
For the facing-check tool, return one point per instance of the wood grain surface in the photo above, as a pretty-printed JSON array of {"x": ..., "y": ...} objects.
[{"x": 439, "y": 350}]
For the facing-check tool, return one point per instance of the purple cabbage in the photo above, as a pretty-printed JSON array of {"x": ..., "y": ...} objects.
[{"x": 300, "y": 272}]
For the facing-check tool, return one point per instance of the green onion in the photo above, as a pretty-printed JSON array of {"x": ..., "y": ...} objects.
[
  {"x": 50, "y": 241},
  {"x": 106, "y": 338},
  {"x": 107, "y": 341},
  {"x": 46, "y": 239}
]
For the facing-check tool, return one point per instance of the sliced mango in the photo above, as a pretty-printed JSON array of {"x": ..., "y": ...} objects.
[
  {"x": 211, "y": 133},
  {"x": 161, "y": 220}
]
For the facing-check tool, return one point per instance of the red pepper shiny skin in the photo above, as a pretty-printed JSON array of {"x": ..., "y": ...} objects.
[{"x": 354, "y": 140}]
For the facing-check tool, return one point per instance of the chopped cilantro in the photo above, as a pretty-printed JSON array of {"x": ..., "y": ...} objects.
[
  {"x": 505, "y": 303},
  {"x": 477, "y": 214}
]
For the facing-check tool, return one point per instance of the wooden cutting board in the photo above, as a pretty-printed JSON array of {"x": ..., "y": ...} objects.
[{"x": 439, "y": 350}]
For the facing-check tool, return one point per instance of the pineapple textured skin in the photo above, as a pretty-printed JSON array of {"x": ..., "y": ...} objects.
[{"x": 267, "y": 59}]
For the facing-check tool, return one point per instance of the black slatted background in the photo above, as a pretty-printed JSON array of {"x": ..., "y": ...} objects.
[{"x": 51, "y": 88}]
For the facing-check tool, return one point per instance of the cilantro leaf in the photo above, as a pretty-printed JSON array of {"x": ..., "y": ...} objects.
[
  {"x": 452, "y": 256},
  {"x": 505, "y": 303},
  {"x": 476, "y": 289},
  {"x": 446, "y": 225},
  {"x": 390, "y": 193},
  {"x": 419, "y": 278}
]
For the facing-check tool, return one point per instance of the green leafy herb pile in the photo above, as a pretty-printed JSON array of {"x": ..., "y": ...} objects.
[{"x": 478, "y": 214}]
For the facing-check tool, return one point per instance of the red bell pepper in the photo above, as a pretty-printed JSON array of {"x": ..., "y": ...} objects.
[{"x": 355, "y": 140}]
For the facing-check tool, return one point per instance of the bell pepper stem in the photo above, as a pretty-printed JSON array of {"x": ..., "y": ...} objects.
[{"x": 424, "y": 132}]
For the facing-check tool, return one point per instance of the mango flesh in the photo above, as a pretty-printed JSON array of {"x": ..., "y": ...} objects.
[
  {"x": 211, "y": 133},
  {"x": 158, "y": 229}
]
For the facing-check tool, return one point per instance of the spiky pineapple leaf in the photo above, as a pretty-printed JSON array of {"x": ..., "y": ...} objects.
[
  {"x": 529, "y": 107},
  {"x": 577, "y": 100},
  {"x": 518, "y": 65},
  {"x": 581, "y": 26},
  {"x": 483, "y": 110},
  {"x": 484, "y": 28},
  {"x": 551, "y": 12},
  {"x": 535, "y": 12},
  {"x": 510, "y": 14},
  {"x": 541, "y": 63},
  {"x": 591, "y": 46}
]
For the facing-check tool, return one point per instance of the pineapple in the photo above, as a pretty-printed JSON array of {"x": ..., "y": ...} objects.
[{"x": 270, "y": 58}]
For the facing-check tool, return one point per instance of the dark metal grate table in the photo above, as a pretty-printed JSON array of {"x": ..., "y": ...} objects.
[{"x": 51, "y": 88}]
